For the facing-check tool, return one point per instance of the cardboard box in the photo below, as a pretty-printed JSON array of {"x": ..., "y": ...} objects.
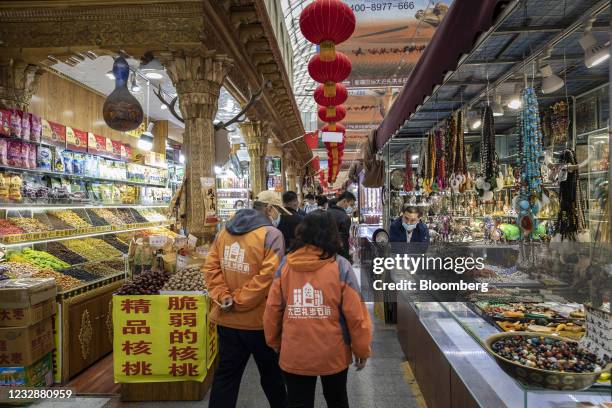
[
  {"x": 26, "y": 316},
  {"x": 22, "y": 346},
  {"x": 39, "y": 374},
  {"x": 26, "y": 292}
]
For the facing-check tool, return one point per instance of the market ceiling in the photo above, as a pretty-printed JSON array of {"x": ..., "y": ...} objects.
[
  {"x": 389, "y": 39},
  {"x": 513, "y": 47}
]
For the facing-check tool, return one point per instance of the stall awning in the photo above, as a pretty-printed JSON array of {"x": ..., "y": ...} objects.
[{"x": 456, "y": 36}]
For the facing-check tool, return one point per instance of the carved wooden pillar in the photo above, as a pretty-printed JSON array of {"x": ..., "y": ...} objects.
[
  {"x": 257, "y": 144},
  {"x": 197, "y": 76},
  {"x": 160, "y": 136},
  {"x": 291, "y": 177},
  {"x": 283, "y": 168},
  {"x": 18, "y": 82}
]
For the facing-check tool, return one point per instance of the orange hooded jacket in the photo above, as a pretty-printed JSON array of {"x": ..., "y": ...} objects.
[
  {"x": 241, "y": 264},
  {"x": 315, "y": 315}
]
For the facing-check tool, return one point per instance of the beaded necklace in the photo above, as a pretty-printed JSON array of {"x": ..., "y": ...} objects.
[
  {"x": 488, "y": 162},
  {"x": 570, "y": 219},
  {"x": 408, "y": 181},
  {"x": 440, "y": 162},
  {"x": 529, "y": 159}
]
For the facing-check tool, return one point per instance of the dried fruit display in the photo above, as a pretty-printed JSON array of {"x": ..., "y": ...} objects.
[
  {"x": 147, "y": 283},
  {"x": 188, "y": 279}
]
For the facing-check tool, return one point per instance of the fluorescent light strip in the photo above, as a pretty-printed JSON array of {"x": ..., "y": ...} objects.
[{"x": 96, "y": 234}]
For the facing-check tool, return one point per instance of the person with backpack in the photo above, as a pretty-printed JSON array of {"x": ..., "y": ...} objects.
[{"x": 315, "y": 317}]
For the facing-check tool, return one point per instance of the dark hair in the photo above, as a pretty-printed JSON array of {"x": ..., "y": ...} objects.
[
  {"x": 289, "y": 196},
  {"x": 309, "y": 196},
  {"x": 318, "y": 229},
  {"x": 348, "y": 196},
  {"x": 412, "y": 209},
  {"x": 321, "y": 200}
]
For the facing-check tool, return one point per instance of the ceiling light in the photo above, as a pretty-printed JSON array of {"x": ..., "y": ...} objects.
[
  {"x": 181, "y": 158},
  {"x": 154, "y": 75},
  {"x": 218, "y": 170},
  {"x": 110, "y": 74},
  {"x": 415, "y": 157},
  {"x": 475, "y": 122},
  {"x": 594, "y": 53},
  {"x": 551, "y": 82},
  {"x": 163, "y": 107},
  {"x": 515, "y": 101},
  {"x": 135, "y": 87},
  {"x": 145, "y": 142},
  {"x": 496, "y": 107}
]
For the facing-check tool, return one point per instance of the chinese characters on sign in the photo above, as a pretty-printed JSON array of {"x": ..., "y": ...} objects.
[{"x": 160, "y": 338}]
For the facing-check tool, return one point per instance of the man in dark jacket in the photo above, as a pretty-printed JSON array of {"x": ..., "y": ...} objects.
[
  {"x": 408, "y": 227},
  {"x": 341, "y": 210},
  {"x": 289, "y": 221}
]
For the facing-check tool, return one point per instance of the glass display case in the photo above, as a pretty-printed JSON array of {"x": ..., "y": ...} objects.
[{"x": 458, "y": 334}]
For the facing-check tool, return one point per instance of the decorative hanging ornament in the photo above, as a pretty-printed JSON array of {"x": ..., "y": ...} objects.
[
  {"x": 312, "y": 139},
  {"x": 327, "y": 23},
  {"x": 341, "y": 95},
  {"x": 329, "y": 73},
  {"x": 331, "y": 113},
  {"x": 334, "y": 127},
  {"x": 121, "y": 111}
]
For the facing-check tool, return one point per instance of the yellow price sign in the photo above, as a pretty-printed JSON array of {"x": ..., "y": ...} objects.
[{"x": 159, "y": 338}]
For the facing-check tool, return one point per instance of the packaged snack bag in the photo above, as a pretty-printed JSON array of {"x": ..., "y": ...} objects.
[
  {"x": 25, "y": 126},
  {"x": 4, "y": 186},
  {"x": 35, "y": 128},
  {"x": 15, "y": 123},
  {"x": 3, "y": 152},
  {"x": 15, "y": 184},
  {"x": 58, "y": 161},
  {"x": 32, "y": 157},
  {"x": 5, "y": 121},
  {"x": 44, "y": 158},
  {"x": 67, "y": 160},
  {"x": 14, "y": 153}
]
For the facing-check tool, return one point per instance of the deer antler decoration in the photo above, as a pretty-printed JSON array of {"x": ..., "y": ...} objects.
[{"x": 221, "y": 125}]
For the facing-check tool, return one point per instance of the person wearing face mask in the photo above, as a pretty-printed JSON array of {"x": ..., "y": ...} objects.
[
  {"x": 409, "y": 227},
  {"x": 342, "y": 211},
  {"x": 239, "y": 270}
]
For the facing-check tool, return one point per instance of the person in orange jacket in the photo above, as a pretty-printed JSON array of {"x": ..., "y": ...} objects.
[
  {"x": 315, "y": 316},
  {"x": 239, "y": 270}
]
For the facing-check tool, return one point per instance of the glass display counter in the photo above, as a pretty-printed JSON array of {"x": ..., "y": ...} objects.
[{"x": 441, "y": 338}]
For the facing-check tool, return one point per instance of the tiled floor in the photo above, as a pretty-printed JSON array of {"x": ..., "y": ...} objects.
[{"x": 380, "y": 385}]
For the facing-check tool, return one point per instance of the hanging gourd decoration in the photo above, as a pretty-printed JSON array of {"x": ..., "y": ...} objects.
[
  {"x": 121, "y": 110},
  {"x": 329, "y": 73},
  {"x": 339, "y": 98},
  {"x": 327, "y": 23},
  {"x": 331, "y": 113}
]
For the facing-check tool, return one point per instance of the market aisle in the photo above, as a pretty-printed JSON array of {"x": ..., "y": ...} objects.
[{"x": 380, "y": 385}]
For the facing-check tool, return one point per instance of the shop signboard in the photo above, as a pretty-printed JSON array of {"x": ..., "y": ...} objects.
[{"x": 160, "y": 338}]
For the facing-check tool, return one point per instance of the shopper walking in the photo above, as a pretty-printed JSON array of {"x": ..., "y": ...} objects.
[
  {"x": 322, "y": 202},
  {"x": 408, "y": 227},
  {"x": 310, "y": 203},
  {"x": 341, "y": 210},
  {"x": 291, "y": 219},
  {"x": 239, "y": 270},
  {"x": 315, "y": 317}
]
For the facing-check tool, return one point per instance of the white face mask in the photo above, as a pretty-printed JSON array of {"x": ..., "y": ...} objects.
[{"x": 349, "y": 210}]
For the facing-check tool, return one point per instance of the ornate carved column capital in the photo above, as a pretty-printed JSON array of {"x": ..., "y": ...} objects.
[
  {"x": 18, "y": 82},
  {"x": 257, "y": 145},
  {"x": 197, "y": 75}
]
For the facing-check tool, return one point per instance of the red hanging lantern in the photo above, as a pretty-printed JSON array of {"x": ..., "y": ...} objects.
[
  {"x": 327, "y": 23},
  {"x": 334, "y": 127},
  {"x": 332, "y": 113},
  {"x": 329, "y": 73},
  {"x": 312, "y": 139},
  {"x": 338, "y": 99}
]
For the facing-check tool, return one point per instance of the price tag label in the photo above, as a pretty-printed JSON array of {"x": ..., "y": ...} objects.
[
  {"x": 181, "y": 262},
  {"x": 192, "y": 241},
  {"x": 202, "y": 251},
  {"x": 157, "y": 240}
]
